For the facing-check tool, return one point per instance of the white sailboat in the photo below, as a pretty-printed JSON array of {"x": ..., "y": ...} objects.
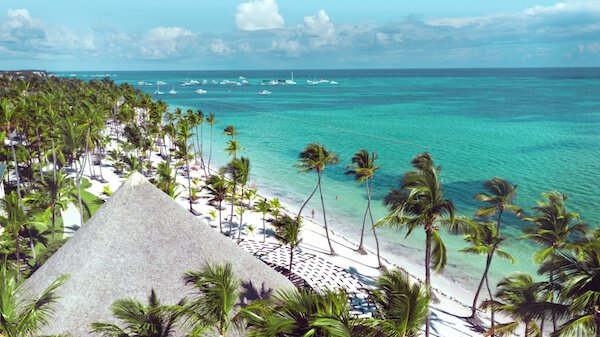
[
  {"x": 201, "y": 91},
  {"x": 173, "y": 91},
  {"x": 264, "y": 92},
  {"x": 290, "y": 81},
  {"x": 158, "y": 92}
]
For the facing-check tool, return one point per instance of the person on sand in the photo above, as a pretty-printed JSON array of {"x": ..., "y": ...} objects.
[{"x": 313, "y": 214}]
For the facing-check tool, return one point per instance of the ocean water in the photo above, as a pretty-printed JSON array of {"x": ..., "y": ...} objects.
[{"x": 538, "y": 128}]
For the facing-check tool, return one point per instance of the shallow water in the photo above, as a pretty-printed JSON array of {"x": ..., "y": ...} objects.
[{"x": 539, "y": 128}]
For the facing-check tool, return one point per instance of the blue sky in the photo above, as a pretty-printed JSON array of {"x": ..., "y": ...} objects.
[{"x": 292, "y": 34}]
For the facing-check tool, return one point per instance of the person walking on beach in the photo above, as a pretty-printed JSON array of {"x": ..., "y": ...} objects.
[{"x": 313, "y": 214}]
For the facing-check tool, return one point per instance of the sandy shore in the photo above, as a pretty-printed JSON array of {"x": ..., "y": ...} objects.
[{"x": 447, "y": 312}]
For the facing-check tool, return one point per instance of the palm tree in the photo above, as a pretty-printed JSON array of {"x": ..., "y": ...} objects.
[
  {"x": 276, "y": 207},
  {"x": 402, "y": 306},
  {"x": 420, "y": 202},
  {"x": 499, "y": 199},
  {"x": 13, "y": 220},
  {"x": 554, "y": 230},
  {"x": 184, "y": 134},
  {"x": 363, "y": 169},
  {"x": 517, "y": 297},
  {"x": 287, "y": 231},
  {"x": 315, "y": 158},
  {"x": 22, "y": 316},
  {"x": 304, "y": 313},
  {"x": 217, "y": 188},
  {"x": 166, "y": 181},
  {"x": 230, "y": 131},
  {"x": 484, "y": 240},
  {"x": 139, "y": 320},
  {"x": 56, "y": 192},
  {"x": 239, "y": 169},
  {"x": 215, "y": 290},
  {"x": 9, "y": 119},
  {"x": 211, "y": 120},
  {"x": 233, "y": 147},
  {"x": 262, "y": 206}
]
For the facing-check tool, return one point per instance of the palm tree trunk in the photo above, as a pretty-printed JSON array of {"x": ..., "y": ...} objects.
[
  {"x": 220, "y": 221},
  {"x": 12, "y": 147},
  {"x": 31, "y": 244},
  {"x": 39, "y": 152},
  {"x": 53, "y": 158},
  {"x": 331, "y": 251},
  {"x": 231, "y": 216},
  {"x": 551, "y": 280},
  {"x": 492, "y": 320},
  {"x": 307, "y": 200},
  {"x": 18, "y": 255},
  {"x": 488, "y": 263},
  {"x": 291, "y": 259},
  {"x": 369, "y": 196},
  {"x": 241, "y": 215},
  {"x": 210, "y": 151},
  {"x": 526, "y": 329},
  {"x": 361, "y": 247},
  {"x": 264, "y": 228},
  {"x": 427, "y": 273},
  {"x": 189, "y": 179}
]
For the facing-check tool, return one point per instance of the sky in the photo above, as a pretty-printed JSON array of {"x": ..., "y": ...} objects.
[{"x": 291, "y": 34}]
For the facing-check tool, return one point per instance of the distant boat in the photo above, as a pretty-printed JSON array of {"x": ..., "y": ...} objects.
[
  {"x": 204, "y": 82},
  {"x": 264, "y": 92},
  {"x": 161, "y": 83},
  {"x": 201, "y": 91},
  {"x": 190, "y": 82},
  {"x": 157, "y": 91},
  {"x": 290, "y": 81},
  {"x": 333, "y": 82},
  {"x": 245, "y": 82},
  {"x": 213, "y": 82},
  {"x": 173, "y": 91},
  {"x": 242, "y": 78},
  {"x": 311, "y": 82}
]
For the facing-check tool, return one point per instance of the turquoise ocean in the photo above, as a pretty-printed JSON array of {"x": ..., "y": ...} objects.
[{"x": 538, "y": 128}]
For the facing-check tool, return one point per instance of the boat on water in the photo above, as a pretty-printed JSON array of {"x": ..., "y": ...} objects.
[
  {"x": 201, "y": 91},
  {"x": 173, "y": 91},
  {"x": 333, "y": 82},
  {"x": 292, "y": 82},
  {"x": 161, "y": 83},
  {"x": 190, "y": 82},
  {"x": 214, "y": 82},
  {"x": 157, "y": 91},
  {"x": 264, "y": 92},
  {"x": 311, "y": 82},
  {"x": 204, "y": 82},
  {"x": 145, "y": 83}
]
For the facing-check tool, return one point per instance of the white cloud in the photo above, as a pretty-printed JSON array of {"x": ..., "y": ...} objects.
[
  {"x": 320, "y": 28},
  {"x": 218, "y": 46},
  {"x": 258, "y": 15},
  {"x": 162, "y": 42},
  {"x": 17, "y": 18},
  {"x": 290, "y": 48}
]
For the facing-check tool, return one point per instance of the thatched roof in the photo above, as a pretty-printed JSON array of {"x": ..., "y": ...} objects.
[{"x": 138, "y": 240}]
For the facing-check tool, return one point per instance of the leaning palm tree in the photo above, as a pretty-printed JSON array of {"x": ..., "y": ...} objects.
[
  {"x": 578, "y": 274},
  {"x": 402, "y": 306},
  {"x": 139, "y": 320},
  {"x": 21, "y": 316},
  {"x": 518, "y": 297},
  {"x": 484, "y": 240},
  {"x": 211, "y": 120},
  {"x": 419, "y": 202},
  {"x": 555, "y": 230},
  {"x": 287, "y": 231},
  {"x": 262, "y": 206},
  {"x": 215, "y": 291},
  {"x": 55, "y": 192},
  {"x": 315, "y": 158},
  {"x": 363, "y": 169},
  {"x": 499, "y": 199}
]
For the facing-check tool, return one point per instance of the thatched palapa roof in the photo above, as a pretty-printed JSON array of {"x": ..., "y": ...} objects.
[{"x": 138, "y": 240}]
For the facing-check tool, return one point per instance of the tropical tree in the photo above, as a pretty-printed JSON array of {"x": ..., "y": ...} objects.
[
  {"x": 13, "y": 220},
  {"x": 315, "y": 158},
  {"x": 218, "y": 187},
  {"x": 139, "y": 320},
  {"x": 401, "y": 306},
  {"x": 304, "y": 313},
  {"x": 22, "y": 316},
  {"x": 554, "y": 229},
  {"x": 166, "y": 181},
  {"x": 233, "y": 147},
  {"x": 239, "y": 170},
  {"x": 211, "y": 120},
  {"x": 215, "y": 291},
  {"x": 10, "y": 120},
  {"x": 419, "y": 202},
  {"x": 231, "y": 131},
  {"x": 484, "y": 240},
  {"x": 517, "y": 297},
  {"x": 498, "y": 199},
  {"x": 288, "y": 233},
  {"x": 56, "y": 192},
  {"x": 363, "y": 169},
  {"x": 262, "y": 206},
  {"x": 276, "y": 207},
  {"x": 184, "y": 134}
]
